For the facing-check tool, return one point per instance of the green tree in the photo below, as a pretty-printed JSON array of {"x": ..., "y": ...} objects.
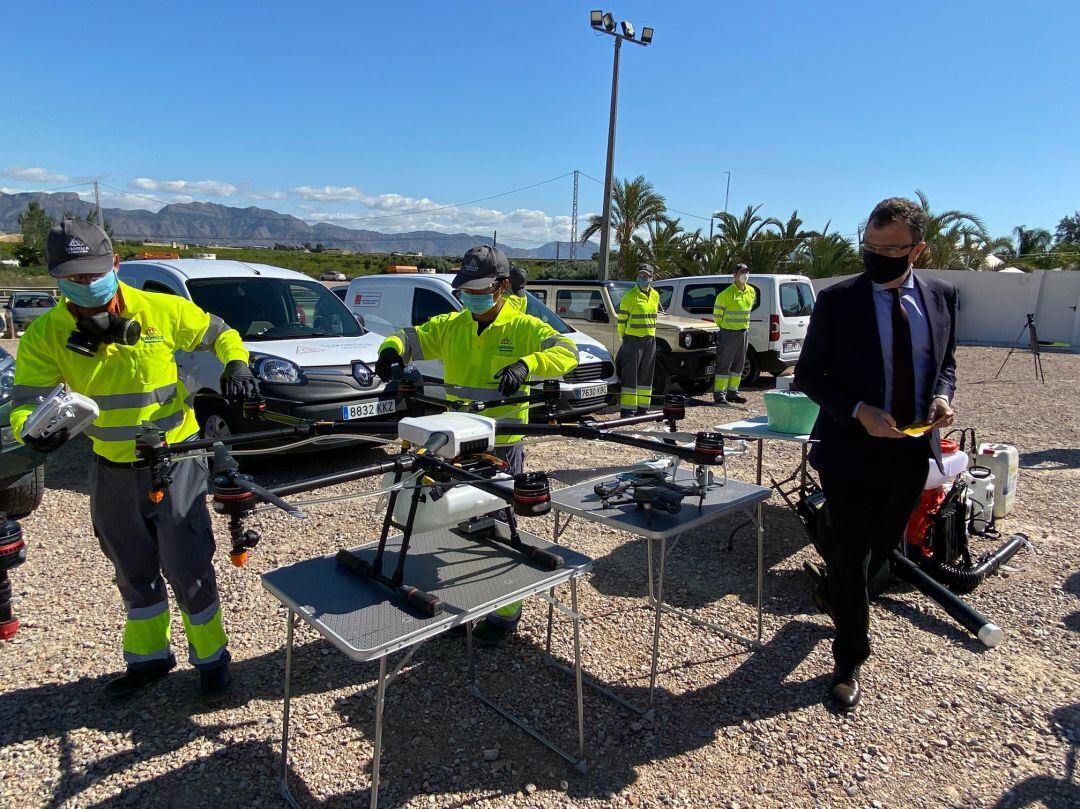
[
  {"x": 1068, "y": 229},
  {"x": 1030, "y": 241},
  {"x": 663, "y": 248},
  {"x": 824, "y": 255},
  {"x": 736, "y": 232},
  {"x": 955, "y": 240},
  {"x": 634, "y": 205},
  {"x": 35, "y": 225}
]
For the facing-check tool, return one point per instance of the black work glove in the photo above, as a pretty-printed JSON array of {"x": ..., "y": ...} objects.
[
  {"x": 512, "y": 377},
  {"x": 389, "y": 360},
  {"x": 49, "y": 442},
  {"x": 237, "y": 381}
]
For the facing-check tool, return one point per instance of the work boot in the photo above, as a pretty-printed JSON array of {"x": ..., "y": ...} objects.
[
  {"x": 844, "y": 690},
  {"x": 488, "y": 634},
  {"x": 719, "y": 397},
  {"x": 734, "y": 397},
  {"x": 136, "y": 679},
  {"x": 641, "y": 411},
  {"x": 215, "y": 684},
  {"x": 625, "y": 413}
]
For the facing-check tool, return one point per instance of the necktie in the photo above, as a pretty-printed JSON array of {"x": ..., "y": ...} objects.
[{"x": 903, "y": 365}]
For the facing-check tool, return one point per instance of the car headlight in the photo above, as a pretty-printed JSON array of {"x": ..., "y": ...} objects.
[
  {"x": 277, "y": 370},
  {"x": 7, "y": 379},
  {"x": 687, "y": 339}
]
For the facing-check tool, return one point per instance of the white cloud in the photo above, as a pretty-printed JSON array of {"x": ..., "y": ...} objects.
[
  {"x": 210, "y": 188},
  {"x": 35, "y": 174},
  {"x": 330, "y": 193}
]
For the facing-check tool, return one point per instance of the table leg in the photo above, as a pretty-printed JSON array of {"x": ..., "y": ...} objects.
[
  {"x": 380, "y": 699},
  {"x": 659, "y": 615},
  {"x": 283, "y": 782},
  {"x": 577, "y": 670},
  {"x": 760, "y": 453},
  {"x": 760, "y": 567},
  {"x": 551, "y": 617}
]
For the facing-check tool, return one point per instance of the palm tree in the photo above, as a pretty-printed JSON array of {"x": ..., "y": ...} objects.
[
  {"x": 736, "y": 232},
  {"x": 828, "y": 254},
  {"x": 771, "y": 251},
  {"x": 955, "y": 240},
  {"x": 664, "y": 248},
  {"x": 634, "y": 205}
]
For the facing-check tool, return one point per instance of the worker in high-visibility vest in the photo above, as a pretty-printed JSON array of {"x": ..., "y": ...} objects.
[
  {"x": 518, "y": 279},
  {"x": 489, "y": 350},
  {"x": 731, "y": 311},
  {"x": 117, "y": 345},
  {"x": 637, "y": 354}
]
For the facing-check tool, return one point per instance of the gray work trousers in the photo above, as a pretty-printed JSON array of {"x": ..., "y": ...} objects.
[
  {"x": 635, "y": 364},
  {"x": 730, "y": 359},
  {"x": 144, "y": 539}
]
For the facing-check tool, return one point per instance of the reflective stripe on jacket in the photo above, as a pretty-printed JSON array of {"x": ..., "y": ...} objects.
[
  {"x": 637, "y": 312},
  {"x": 470, "y": 360},
  {"x": 130, "y": 384},
  {"x": 731, "y": 310}
]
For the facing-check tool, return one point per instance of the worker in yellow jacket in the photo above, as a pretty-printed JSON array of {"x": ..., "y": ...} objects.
[
  {"x": 116, "y": 344},
  {"x": 518, "y": 279},
  {"x": 731, "y": 311},
  {"x": 489, "y": 350},
  {"x": 637, "y": 353}
]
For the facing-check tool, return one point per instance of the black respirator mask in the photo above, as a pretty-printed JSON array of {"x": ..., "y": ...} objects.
[
  {"x": 101, "y": 329},
  {"x": 883, "y": 269}
]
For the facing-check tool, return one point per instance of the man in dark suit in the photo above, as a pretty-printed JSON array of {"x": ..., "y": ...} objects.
[{"x": 878, "y": 356}]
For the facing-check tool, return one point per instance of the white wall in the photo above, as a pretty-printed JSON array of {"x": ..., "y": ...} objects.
[{"x": 994, "y": 306}]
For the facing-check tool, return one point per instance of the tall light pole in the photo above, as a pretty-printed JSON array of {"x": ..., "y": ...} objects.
[
  {"x": 727, "y": 194},
  {"x": 605, "y": 24}
]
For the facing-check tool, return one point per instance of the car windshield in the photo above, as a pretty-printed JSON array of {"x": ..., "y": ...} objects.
[
  {"x": 275, "y": 308},
  {"x": 40, "y": 300},
  {"x": 618, "y": 289}
]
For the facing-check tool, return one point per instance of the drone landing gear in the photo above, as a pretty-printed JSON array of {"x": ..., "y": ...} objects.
[
  {"x": 487, "y": 530},
  {"x": 410, "y": 596}
]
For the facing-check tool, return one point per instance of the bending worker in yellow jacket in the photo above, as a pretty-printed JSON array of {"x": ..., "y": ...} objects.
[
  {"x": 637, "y": 353},
  {"x": 116, "y": 344},
  {"x": 488, "y": 350},
  {"x": 731, "y": 311}
]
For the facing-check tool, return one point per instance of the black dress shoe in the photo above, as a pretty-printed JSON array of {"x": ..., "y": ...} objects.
[
  {"x": 736, "y": 398},
  {"x": 215, "y": 684},
  {"x": 844, "y": 690},
  {"x": 137, "y": 679}
]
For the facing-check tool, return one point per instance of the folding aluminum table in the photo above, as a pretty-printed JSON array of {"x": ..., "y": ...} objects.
[
  {"x": 366, "y": 622},
  {"x": 720, "y": 500}
]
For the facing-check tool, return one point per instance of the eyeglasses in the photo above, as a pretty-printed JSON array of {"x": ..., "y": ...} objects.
[
  {"x": 487, "y": 290},
  {"x": 889, "y": 250}
]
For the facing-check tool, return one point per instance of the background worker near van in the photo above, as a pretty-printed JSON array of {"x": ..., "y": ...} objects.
[
  {"x": 488, "y": 350},
  {"x": 118, "y": 345},
  {"x": 518, "y": 279},
  {"x": 731, "y": 311},
  {"x": 637, "y": 354}
]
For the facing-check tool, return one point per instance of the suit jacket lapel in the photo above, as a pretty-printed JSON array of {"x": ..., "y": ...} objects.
[{"x": 867, "y": 326}]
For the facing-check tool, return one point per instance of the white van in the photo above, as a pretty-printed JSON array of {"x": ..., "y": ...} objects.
[
  {"x": 311, "y": 355},
  {"x": 387, "y": 303},
  {"x": 778, "y": 320}
]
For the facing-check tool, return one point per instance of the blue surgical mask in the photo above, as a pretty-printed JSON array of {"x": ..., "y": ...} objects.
[
  {"x": 477, "y": 304},
  {"x": 90, "y": 296},
  {"x": 643, "y": 283}
]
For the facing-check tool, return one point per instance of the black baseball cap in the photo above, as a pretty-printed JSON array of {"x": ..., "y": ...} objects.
[
  {"x": 78, "y": 247},
  {"x": 646, "y": 269},
  {"x": 741, "y": 268},
  {"x": 481, "y": 267},
  {"x": 518, "y": 278}
]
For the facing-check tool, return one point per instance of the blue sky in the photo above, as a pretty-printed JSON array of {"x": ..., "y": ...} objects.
[{"x": 335, "y": 110}]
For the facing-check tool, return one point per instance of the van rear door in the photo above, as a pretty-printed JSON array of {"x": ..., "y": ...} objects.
[{"x": 796, "y": 304}]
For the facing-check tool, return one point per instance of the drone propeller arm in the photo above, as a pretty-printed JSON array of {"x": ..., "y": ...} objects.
[
  {"x": 401, "y": 463},
  {"x": 266, "y": 495}
]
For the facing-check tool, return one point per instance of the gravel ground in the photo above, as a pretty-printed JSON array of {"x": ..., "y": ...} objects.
[{"x": 944, "y": 722}]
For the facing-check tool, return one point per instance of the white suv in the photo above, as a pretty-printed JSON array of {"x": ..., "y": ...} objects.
[
  {"x": 778, "y": 320},
  {"x": 312, "y": 357}
]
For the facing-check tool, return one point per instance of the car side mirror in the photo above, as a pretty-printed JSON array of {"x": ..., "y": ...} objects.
[
  {"x": 360, "y": 319},
  {"x": 596, "y": 314}
]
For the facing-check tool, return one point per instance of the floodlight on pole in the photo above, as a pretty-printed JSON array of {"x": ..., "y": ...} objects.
[{"x": 607, "y": 20}]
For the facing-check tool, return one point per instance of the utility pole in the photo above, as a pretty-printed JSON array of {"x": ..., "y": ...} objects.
[
  {"x": 97, "y": 203},
  {"x": 573, "y": 222},
  {"x": 495, "y": 239},
  {"x": 605, "y": 24},
  {"x": 727, "y": 190},
  {"x": 557, "y": 257}
]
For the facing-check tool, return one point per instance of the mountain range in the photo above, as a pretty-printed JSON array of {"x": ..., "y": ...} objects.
[{"x": 207, "y": 223}]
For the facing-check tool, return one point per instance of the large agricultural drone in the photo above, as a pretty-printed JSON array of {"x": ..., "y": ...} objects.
[{"x": 441, "y": 454}]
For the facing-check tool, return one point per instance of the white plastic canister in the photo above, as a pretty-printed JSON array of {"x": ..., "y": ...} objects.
[
  {"x": 953, "y": 462},
  {"x": 980, "y": 482},
  {"x": 1004, "y": 461},
  {"x": 457, "y": 504}
]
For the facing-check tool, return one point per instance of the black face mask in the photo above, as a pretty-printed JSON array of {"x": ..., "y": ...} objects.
[{"x": 883, "y": 269}]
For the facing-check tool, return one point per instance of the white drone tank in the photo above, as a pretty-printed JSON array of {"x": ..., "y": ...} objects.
[{"x": 1004, "y": 461}]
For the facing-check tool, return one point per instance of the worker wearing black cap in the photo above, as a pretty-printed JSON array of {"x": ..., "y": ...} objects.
[
  {"x": 518, "y": 279},
  {"x": 488, "y": 350},
  {"x": 637, "y": 353}
]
